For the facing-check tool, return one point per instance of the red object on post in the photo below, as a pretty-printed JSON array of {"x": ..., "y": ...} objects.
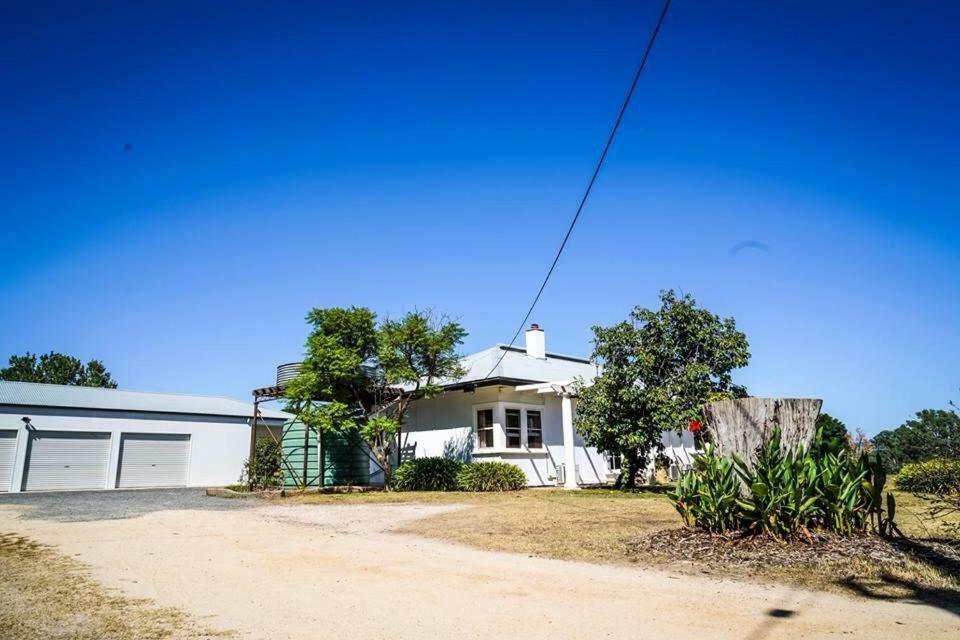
[{"x": 694, "y": 426}]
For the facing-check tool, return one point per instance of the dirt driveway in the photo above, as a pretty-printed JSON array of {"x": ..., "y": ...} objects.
[{"x": 304, "y": 571}]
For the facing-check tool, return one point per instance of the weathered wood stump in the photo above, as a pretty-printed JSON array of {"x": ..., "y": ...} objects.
[{"x": 740, "y": 426}]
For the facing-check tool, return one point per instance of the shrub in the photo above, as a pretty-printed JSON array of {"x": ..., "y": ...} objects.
[
  {"x": 938, "y": 476},
  {"x": 264, "y": 470},
  {"x": 706, "y": 496},
  {"x": 427, "y": 474},
  {"x": 491, "y": 476},
  {"x": 784, "y": 494}
]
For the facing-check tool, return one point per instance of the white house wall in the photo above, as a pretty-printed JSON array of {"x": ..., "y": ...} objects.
[
  {"x": 218, "y": 445},
  {"x": 444, "y": 426}
]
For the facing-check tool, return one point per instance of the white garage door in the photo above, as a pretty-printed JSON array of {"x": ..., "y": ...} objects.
[
  {"x": 67, "y": 460},
  {"x": 153, "y": 460},
  {"x": 8, "y": 453}
]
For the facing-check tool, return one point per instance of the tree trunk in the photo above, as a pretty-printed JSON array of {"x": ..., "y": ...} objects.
[
  {"x": 741, "y": 426},
  {"x": 633, "y": 467}
]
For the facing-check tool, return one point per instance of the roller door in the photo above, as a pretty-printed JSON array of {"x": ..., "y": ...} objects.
[
  {"x": 8, "y": 454},
  {"x": 153, "y": 460},
  {"x": 66, "y": 460}
]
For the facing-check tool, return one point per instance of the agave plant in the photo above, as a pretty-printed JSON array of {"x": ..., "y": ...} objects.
[
  {"x": 785, "y": 494},
  {"x": 782, "y": 500},
  {"x": 706, "y": 496},
  {"x": 841, "y": 493}
]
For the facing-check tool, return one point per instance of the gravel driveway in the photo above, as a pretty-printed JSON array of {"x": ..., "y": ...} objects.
[{"x": 87, "y": 506}]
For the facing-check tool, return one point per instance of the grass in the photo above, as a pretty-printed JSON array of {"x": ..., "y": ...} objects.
[
  {"x": 589, "y": 525},
  {"x": 48, "y": 595},
  {"x": 596, "y": 525},
  {"x": 912, "y": 520}
]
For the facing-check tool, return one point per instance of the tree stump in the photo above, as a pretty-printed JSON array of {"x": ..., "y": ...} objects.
[{"x": 740, "y": 426}]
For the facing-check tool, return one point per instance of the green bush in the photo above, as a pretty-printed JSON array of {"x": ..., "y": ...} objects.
[
  {"x": 427, "y": 474},
  {"x": 491, "y": 476},
  {"x": 784, "y": 495},
  {"x": 706, "y": 497},
  {"x": 264, "y": 470},
  {"x": 939, "y": 476}
]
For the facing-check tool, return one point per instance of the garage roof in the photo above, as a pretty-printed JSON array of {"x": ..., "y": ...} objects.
[{"x": 34, "y": 394}]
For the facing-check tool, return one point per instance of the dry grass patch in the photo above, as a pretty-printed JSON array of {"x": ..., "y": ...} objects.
[
  {"x": 48, "y": 595},
  {"x": 913, "y": 520},
  {"x": 591, "y": 525},
  {"x": 395, "y": 497}
]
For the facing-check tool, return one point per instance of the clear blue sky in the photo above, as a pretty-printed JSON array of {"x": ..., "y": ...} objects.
[{"x": 285, "y": 156}]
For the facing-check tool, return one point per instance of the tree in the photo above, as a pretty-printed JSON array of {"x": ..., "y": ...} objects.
[
  {"x": 833, "y": 434},
  {"x": 57, "y": 368},
  {"x": 887, "y": 445},
  {"x": 658, "y": 369},
  {"x": 933, "y": 433},
  {"x": 95, "y": 374},
  {"x": 361, "y": 377}
]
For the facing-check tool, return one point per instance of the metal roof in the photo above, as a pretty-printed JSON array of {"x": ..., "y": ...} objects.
[
  {"x": 516, "y": 365},
  {"x": 34, "y": 394}
]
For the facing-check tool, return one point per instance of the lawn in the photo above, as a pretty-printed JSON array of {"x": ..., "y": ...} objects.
[
  {"x": 48, "y": 595},
  {"x": 596, "y": 525}
]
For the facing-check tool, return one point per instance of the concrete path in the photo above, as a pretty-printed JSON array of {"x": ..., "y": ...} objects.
[{"x": 298, "y": 571}]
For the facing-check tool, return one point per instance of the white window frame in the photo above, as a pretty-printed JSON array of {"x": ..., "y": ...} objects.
[
  {"x": 500, "y": 423},
  {"x": 526, "y": 427},
  {"x": 496, "y": 426},
  {"x": 521, "y": 437},
  {"x": 613, "y": 461}
]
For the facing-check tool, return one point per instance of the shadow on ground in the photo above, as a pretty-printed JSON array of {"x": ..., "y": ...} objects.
[
  {"x": 86, "y": 506},
  {"x": 939, "y": 554}
]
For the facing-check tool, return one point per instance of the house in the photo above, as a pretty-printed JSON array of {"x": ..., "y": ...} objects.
[
  {"x": 517, "y": 405},
  {"x": 55, "y": 437}
]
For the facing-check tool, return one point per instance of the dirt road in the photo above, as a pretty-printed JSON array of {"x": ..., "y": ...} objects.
[{"x": 308, "y": 571}]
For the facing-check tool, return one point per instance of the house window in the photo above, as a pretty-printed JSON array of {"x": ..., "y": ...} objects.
[
  {"x": 534, "y": 430},
  {"x": 485, "y": 428},
  {"x": 513, "y": 428},
  {"x": 613, "y": 462}
]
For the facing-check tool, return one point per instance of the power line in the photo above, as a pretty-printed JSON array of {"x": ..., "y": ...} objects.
[{"x": 593, "y": 178}]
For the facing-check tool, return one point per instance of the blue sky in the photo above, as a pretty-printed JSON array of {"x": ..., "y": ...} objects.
[{"x": 290, "y": 155}]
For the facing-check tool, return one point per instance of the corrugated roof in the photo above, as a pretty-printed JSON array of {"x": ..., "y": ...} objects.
[
  {"x": 517, "y": 365},
  {"x": 55, "y": 395}
]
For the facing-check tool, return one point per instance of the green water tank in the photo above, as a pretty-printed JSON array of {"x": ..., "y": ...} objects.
[{"x": 345, "y": 460}]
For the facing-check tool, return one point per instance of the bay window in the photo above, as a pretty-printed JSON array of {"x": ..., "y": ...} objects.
[{"x": 509, "y": 428}]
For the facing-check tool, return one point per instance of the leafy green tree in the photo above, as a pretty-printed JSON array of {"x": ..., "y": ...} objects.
[
  {"x": 933, "y": 433},
  {"x": 358, "y": 376},
  {"x": 833, "y": 433},
  {"x": 57, "y": 368},
  {"x": 887, "y": 446},
  {"x": 95, "y": 374},
  {"x": 659, "y": 368}
]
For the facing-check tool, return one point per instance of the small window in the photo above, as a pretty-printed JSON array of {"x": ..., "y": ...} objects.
[
  {"x": 513, "y": 428},
  {"x": 613, "y": 462},
  {"x": 485, "y": 428},
  {"x": 534, "y": 430}
]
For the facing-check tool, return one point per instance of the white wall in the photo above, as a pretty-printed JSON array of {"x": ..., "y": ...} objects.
[
  {"x": 444, "y": 426},
  {"x": 218, "y": 445}
]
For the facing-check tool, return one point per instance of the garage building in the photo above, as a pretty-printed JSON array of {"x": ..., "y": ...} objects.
[{"x": 55, "y": 437}]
